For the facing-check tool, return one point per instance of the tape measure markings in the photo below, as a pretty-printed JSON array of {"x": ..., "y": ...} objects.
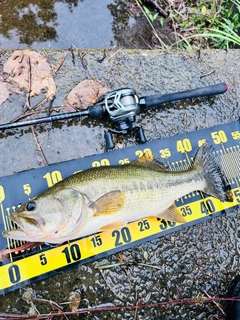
[
  {"x": 55, "y": 176},
  {"x": 55, "y": 258},
  {"x": 230, "y": 162},
  {"x": 195, "y": 207}
]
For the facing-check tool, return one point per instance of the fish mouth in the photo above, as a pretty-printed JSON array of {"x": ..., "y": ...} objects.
[
  {"x": 19, "y": 233},
  {"x": 15, "y": 218},
  {"x": 16, "y": 234}
]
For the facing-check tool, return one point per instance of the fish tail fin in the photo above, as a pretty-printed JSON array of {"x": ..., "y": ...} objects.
[{"x": 217, "y": 185}]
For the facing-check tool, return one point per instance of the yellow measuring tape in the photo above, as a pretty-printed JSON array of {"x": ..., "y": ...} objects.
[{"x": 38, "y": 263}]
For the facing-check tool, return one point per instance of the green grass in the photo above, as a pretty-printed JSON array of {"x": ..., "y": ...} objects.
[{"x": 209, "y": 24}]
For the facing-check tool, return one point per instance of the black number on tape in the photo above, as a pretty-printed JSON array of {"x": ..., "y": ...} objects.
[
  {"x": 72, "y": 253},
  {"x": 237, "y": 195},
  {"x": 43, "y": 259},
  {"x": 186, "y": 211},
  {"x": 166, "y": 224},
  {"x": 14, "y": 273},
  {"x": 144, "y": 225},
  {"x": 96, "y": 241},
  {"x": 122, "y": 236},
  {"x": 207, "y": 206}
]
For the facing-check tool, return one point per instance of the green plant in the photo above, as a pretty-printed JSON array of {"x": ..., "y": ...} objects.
[
  {"x": 201, "y": 24},
  {"x": 153, "y": 17},
  {"x": 149, "y": 14},
  {"x": 224, "y": 31},
  {"x": 224, "y": 39},
  {"x": 219, "y": 25}
]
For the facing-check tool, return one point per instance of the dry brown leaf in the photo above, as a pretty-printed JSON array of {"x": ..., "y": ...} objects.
[
  {"x": 6, "y": 89},
  {"x": 86, "y": 92},
  {"x": 18, "y": 67},
  {"x": 121, "y": 257},
  {"x": 4, "y": 92},
  {"x": 74, "y": 299}
]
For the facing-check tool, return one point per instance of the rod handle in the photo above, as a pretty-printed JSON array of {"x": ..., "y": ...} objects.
[{"x": 156, "y": 100}]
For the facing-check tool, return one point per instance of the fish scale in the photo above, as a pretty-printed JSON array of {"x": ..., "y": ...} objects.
[
  {"x": 104, "y": 198},
  {"x": 177, "y": 152}
]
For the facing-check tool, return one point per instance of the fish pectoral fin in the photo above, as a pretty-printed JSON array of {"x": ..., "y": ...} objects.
[
  {"x": 111, "y": 226},
  {"x": 110, "y": 203},
  {"x": 172, "y": 214}
]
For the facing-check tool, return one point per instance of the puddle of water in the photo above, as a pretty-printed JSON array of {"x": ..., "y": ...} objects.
[
  {"x": 88, "y": 25},
  {"x": 55, "y": 24}
]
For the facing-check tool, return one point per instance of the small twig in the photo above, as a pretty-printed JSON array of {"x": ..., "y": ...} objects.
[
  {"x": 102, "y": 308},
  {"x": 158, "y": 7},
  {"x": 71, "y": 49},
  {"x": 215, "y": 302},
  {"x": 32, "y": 110},
  {"x": 50, "y": 105},
  {"x": 103, "y": 57},
  {"x": 207, "y": 74},
  {"x": 184, "y": 121},
  {"x": 81, "y": 55},
  {"x": 27, "y": 105},
  {"x": 136, "y": 310},
  {"x": 53, "y": 305},
  {"x": 62, "y": 62},
  {"x": 148, "y": 265},
  {"x": 49, "y": 61},
  {"x": 127, "y": 264},
  {"x": 116, "y": 52},
  {"x": 147, "y": 44},
  {"x": 39, "y": 146}
]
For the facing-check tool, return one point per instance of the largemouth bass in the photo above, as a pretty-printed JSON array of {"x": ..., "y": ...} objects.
[{"x": 109, "y": 197}]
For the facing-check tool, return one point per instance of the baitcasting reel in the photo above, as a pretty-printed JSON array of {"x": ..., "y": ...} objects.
[{"x": 122, "y": 106}]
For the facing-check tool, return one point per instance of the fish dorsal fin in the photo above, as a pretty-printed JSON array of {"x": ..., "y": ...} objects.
[
  {"x": 111, "y": 226},
  {"x": 146, "y": 157},
  {"x": 172, "y": 214},
  {"x": 147, "y": 160},
  {"x": 109, "y": 203}
]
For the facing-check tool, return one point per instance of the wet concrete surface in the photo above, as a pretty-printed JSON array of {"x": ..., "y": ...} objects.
[{"x": 200, "y": 258}]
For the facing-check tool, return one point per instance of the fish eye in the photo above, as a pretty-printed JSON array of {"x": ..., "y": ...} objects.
[{"x": 31, "y": 206}]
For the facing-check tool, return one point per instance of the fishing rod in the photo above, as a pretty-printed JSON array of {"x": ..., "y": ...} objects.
[{"x": 122, "y": 106}]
